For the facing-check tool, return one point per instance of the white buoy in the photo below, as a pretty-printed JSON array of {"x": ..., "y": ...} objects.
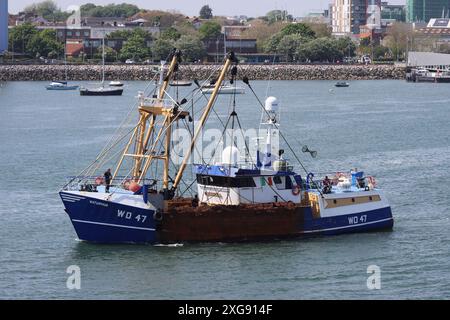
[
  {"x": 272, "y": 104},
  {"x": 230, "y": 156}
]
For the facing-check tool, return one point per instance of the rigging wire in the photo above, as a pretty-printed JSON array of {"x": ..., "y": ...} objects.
[{"x": 281, "y": 134}]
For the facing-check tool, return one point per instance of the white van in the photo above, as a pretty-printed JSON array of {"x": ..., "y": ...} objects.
[{"x": 365, "y": 60}]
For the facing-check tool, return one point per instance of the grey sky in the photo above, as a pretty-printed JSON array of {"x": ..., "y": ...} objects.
[{"x": 192, "y": 7}]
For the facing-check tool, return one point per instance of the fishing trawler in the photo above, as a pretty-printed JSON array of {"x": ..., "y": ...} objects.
[{"x": 256, "y": 197}]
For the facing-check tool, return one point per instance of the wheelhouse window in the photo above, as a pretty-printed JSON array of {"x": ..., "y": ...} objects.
[
  {"x": 283, "y": 183},
  {"x": 227, "y": 182}
]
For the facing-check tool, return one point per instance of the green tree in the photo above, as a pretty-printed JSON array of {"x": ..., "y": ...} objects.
[
  {"x": 271, "y": 45},
  {"x": 135, "y": 48},
  {"x": 20, "y": 36},
  {"x": 209, "y": 30},
  {"x": 206, "y": 12},
  {"x": 161, "y": 48},
  {"x": 44, "y": 43},
  {"x": 346, "y": 46},
  {"x": 123, "y": 10},
  {"x": 127, "y": 34},
  {"x": 320, "y": 50},
  {"x": 111, "y": 55},
  {"x": 47, "y": 9},
  {"x": 170, "y": 34},
  {"x": 277, "y": 15},
  {"x": 288, "y": 46},
  {"x": 298, "y": 28},
  {"x": 191, "y": 47},
  {"x": 381, "y": 53},
  {"x": 120, "y": 34}
]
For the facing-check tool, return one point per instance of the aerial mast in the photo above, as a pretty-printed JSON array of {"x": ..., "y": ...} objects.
[{"x": 231, "y": 58}]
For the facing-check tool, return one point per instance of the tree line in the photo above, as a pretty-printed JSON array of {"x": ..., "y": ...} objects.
[{"x": 275, "y": 34}]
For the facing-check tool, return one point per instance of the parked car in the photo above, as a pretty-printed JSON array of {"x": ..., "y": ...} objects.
[
  {"x": 365, "y": 60},
  {"x": 129, "y": 61},
  {"x": 349, "y": 60}
]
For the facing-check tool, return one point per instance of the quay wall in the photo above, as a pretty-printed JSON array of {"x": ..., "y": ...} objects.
[{"x": 190, "y": 72}]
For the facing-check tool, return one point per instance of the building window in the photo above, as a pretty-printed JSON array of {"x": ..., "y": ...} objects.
[
  {"x": 78, "y": 33},
  {"x": 86, "y": 33},
  {"x": 69, "y": 33}
]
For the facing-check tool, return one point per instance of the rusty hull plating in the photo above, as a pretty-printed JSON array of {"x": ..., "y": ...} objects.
[{"x": 224, "y": 223}]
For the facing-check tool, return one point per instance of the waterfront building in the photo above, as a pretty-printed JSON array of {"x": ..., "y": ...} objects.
[
  {"x": 348, "y": 16},
  {"x": 435, "y": 36},
  {"x": 428, "y": 60},
  {"x": 424, "y": 10},
  {"x": 393, "y": 12},
  {"x": 232, "y": 38},
  {"x": 3, "y": 26}
]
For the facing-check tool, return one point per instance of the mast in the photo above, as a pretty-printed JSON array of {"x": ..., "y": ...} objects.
[
  {"x": 231, "y": 58},
  {"x": 143, "y": 155},
  {"x": 103, "y": 60},
  {"x": 65, "y": 59}
]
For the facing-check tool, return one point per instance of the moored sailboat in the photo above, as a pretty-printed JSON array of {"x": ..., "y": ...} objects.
[
  {"x": 102, "y": 90},
  {"x": 262, "y": 197},
  {"x": 62, "y": 85}
]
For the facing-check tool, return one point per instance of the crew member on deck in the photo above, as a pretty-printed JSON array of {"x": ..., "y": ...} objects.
[
  {"x": 108, "y": 177},
  {"x": 326, "y": 185},
  {"x": 195, "y": 201}
]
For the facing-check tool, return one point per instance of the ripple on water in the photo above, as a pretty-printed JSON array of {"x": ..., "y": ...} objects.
[{"x": 396, "y": 131}]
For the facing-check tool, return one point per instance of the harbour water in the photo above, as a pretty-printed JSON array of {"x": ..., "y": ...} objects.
[{"x": 395, "y": 130}]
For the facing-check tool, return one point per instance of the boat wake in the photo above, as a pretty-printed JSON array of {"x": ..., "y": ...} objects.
[{"x": 173, "y": 245}]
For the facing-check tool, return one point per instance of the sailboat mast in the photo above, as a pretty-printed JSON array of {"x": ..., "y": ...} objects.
[
  {"x": 103, "y": 59},
  {"x": 230, "y": 59},
  {"x": 65, "y": 61}
]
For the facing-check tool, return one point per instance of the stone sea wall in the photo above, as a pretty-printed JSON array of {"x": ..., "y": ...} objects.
[{"x": 189, "y": 72}]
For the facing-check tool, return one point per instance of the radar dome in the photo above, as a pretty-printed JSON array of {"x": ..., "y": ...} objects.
[
  {"x": 271, "y": 104},
  {"x": 230, "y": 155}
]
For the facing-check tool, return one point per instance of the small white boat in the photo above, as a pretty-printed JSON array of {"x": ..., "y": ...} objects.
[
  {"x": 342, "y": 84},
  {"x": 180, "y": 83},
  {"x": 225, "y": 89},
  {"x": 60, "y": 85},
  {"x": 116, "y": 84}
]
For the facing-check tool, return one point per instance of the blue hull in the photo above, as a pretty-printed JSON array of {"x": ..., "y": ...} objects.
[
  {"x": 375, "y": 220},
  {"x": 107, "y": 222}
]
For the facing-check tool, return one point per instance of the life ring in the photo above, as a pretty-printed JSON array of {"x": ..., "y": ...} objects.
[
  {"x": 99, "y": 181},
  {"x": 296, "y": 190},
  {"x": 157, "y": 215}
]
